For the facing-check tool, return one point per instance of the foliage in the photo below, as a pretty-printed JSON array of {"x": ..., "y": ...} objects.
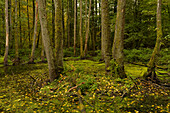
[{"x": 23, "y": 90}]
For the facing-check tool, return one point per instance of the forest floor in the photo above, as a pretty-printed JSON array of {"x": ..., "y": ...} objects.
[{"x": 83, "y": 85}]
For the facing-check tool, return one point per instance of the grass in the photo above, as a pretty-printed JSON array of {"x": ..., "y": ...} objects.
[{"x": 99, "y": 93}]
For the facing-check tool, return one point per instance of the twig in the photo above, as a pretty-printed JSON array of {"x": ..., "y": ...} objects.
[{"x": 75, "y": 87}]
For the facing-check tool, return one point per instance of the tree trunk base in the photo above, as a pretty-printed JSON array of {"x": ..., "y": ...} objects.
[
  {"x": 16, "y": 61},
  {"x": 150, "y": 75}
]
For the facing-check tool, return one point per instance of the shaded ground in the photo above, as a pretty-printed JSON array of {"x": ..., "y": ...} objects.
[{"x": 99, "y": 93}]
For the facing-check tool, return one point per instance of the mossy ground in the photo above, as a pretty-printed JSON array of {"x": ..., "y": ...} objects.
[{"x": 20, "y": 90}]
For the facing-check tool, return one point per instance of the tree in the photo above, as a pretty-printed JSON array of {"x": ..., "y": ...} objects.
[
  {"x": 154, "y": 58},
  {"x": 46, "y": 40},
  {"x": 7, "y": 34},
  {"x": 81, "y": 37},
  {"x": 17, "y": 59},
  {"x": 35, "y": 34},
  {"x": 117, "y": 50},
  {"x": 28, "y": 21},
  {"x": 106, "y": 32},
  {"x": 75, "y": 25},
  {"x": 87, "y": 30},
  {"x": 59, "y": 36}
]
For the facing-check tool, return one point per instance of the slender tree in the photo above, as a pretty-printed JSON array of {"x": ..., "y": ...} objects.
[
  {"x": 20, "y": 26},
  {"x": 59, "y": 35},
  {"x": 53, "y": 23},
  {"x": 154, "y": 58},
  {"x": 68, "y": 22},
  {"x": 106, "y": 32},
  {"x": 28, "y": 21},
  {"x": 87, "y": 30},
  {"x": 35, "y": 34},
  {"x": 17, "y": 60},
  {"x": 7, "y": 34},
  {"x": 75, "y": 25},
  {"x": 81, "y": 37},
  {"x": 46, "y": 40},
  {"x": 117, "y": 50}
]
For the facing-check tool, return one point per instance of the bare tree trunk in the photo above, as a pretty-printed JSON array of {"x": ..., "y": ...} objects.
[
  {"x": 81, "y": 38},
  {"x": 150, "y": 74},
  {"x": 75, "y": 25},
  {"x": 59, "y": 36},
  {"x": 46, "y": 40},
  {"x": 35, "y": 34},
  {"x": 117, "y": 50},
  {"x": 87, "y": 30},
  {"x": 7, "y": 34}
]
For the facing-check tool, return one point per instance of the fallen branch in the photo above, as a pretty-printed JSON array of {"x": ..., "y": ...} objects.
[{"x": 75, "y": 87}]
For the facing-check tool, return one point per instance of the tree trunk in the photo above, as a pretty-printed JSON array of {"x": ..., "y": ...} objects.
[
  {"x": 150, "y": 74},
  {"x": 59, "y": 36},
  {"x": 93, "y": 27},
  {"x": 29, "y": 36},
  {"x": 117, "y": 50},
  {"x": 63, "y": 22},
  {"x": 35, "y": 34},
  {"x": 75, "y": 25},
  {"x": 10, "y": 23},
  {"x": 68, "y": 23},
  {"x": 7, "y": 34},
  {"x": 81, "y": 38},
  {"x": 17, "y": 60},
  {"x": 20, "y": 26},
  {"x": 106, "y": 33},
  {"x": 87, "y": 31},
  {"x": 46, "y": 40},
  {"x": 53, "y": 23}
]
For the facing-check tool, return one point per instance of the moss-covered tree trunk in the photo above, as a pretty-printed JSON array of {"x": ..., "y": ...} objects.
[
  {"x": 81, "y": 37},
  {"x": 35, "y": 34},
  {"x": 17, "y": 60},
  {"x": 53, "y": 23},
  {"x": 7, "y": 34},
  {"x": 87, "y": 30},
  {"x": 59, "y": 36},
  {"x": 28, "y": 21},
  {"x": 46, "y": 40},
  {"x": 106, "y": 33},
  {"x": 117, "y": 50},
  {"x": 150, "y": 74}
]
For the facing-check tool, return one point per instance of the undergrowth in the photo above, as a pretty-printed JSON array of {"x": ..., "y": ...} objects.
[{"x": 23, "y": 90}]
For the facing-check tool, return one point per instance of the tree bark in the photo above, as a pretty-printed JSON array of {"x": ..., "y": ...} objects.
[
  {"x": 81, "y": 38},
  {"x": 35, "y": 34},
  {"x": 28, "y": 21},
  {"x": 7, "y": 34},
  {"x": 87, "y": 30},
  {"x": 117, "y": 50},
  {"x": 53, "y": 23},
  {"x": 17, "y": 60},
  {"x": 46, "y": 40},
  {"x": 68, "y": 23},
  {"x": 154, "y": 58},
  {"x": 75, "y": 25},
  {"x": 20, "y": 26},
  {"x": 59, "y": 36},
  {"x": 106, "y": 33}
]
